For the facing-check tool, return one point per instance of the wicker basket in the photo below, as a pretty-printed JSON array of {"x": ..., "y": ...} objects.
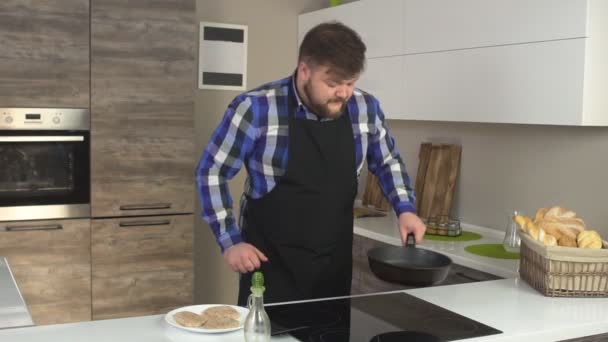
[{"x": 564, "y": 271}]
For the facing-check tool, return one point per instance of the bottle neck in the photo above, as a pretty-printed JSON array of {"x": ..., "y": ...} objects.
[{"x": 257, "y": 301}]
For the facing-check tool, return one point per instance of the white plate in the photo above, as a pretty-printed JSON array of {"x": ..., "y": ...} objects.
[{"x": 197, "y": 309}]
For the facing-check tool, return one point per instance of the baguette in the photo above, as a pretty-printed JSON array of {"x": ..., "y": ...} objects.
[
  {"x": 533, "y": 230},
  {"x": 522, "y": 221}
]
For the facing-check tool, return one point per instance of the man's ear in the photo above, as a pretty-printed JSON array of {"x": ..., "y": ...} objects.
[{"x": 304, "y": 71}]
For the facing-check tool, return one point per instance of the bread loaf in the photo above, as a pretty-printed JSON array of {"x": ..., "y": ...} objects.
[
  {"x": 566, "y": 241},
  {"x": 559, "y": 212},
  {"x": 550, "y": 228},
  {"x": 540, "y": 214},
  {"x": 558, "y": 226},
  {"x": 589, "y": 239}
]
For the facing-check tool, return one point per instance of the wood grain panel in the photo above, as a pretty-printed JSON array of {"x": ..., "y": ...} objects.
[
  {"x": 52, "y": 268},
  {"x": 44, "y": 59},
  {"x": 436, "y": 180},
  {"x": 142, "y": 104},
  {"x": 144, "y": 268}
]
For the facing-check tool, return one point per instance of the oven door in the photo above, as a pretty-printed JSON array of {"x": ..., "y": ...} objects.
[{"x": 44, "y": 175}]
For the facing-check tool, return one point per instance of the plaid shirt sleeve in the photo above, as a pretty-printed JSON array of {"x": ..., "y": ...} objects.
[
  {"x": 385, "y": 163},
  {"x": 230, "y": 144}
]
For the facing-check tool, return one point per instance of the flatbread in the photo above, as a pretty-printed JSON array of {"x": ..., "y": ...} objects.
[
  {"x": 221, "y": 311},
  {"x": 189, "y": 319},
  {"x": 221, "y": 323}
]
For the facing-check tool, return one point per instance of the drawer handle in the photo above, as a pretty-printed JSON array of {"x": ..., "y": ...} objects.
[
  {"x": 155, "y": 206},
  {"x": 145, "y": 223},
  {"x": 29, "y": 228}
]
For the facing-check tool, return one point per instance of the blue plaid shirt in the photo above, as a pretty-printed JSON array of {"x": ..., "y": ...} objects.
[{"x": 254, "y": 131}]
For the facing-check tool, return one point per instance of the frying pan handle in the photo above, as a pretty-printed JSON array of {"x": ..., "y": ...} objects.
[{"x": 410, "y": 240}]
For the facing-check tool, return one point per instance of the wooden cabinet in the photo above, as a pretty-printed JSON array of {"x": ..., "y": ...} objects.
[
  {"x": 378, "y": 23},
  {"x": 51, "y": 263},
  {"x": 440, "y": 25},
  {"x": 143, "y": 77},
  {"x": 44, "y": 54},
  {"x": 141, "y": 266},
  {"x": 364, "y": 280}
]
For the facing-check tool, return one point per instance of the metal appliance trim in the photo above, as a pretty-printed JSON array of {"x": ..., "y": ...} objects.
[
  {"x": 45, "y": 212},
  {"x": 55, "y": 138},
  {"x": 45, "y": 119},
  {"x": 15, "y": 315}
]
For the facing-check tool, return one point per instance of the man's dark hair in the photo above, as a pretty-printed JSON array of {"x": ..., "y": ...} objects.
[{"x": 335, "y": 45}]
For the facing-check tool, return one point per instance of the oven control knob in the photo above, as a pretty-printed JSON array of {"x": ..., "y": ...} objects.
[
  {"x": 56, "y": 120},
  {"x": 8, "y": 119}
]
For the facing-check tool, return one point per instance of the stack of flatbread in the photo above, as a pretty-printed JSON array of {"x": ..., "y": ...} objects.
[
  {"x": 557, "y": 226},
  {"x": 216, "y": 317}
]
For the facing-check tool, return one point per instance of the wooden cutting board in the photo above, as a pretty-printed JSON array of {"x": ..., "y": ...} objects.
[
  {"x": 436, "y": 179},
  {"x": 373, "y": 196}
]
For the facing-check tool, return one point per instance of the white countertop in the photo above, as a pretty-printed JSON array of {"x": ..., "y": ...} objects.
[
  {"x": 507, "y": 304},
  {"x": 13, "y": 311},
  {"x": 385, "y": 229},
  {"x": 522, "y": 313}
]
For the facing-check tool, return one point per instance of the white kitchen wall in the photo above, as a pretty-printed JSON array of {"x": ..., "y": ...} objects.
[{"x": 521, "y": 167}]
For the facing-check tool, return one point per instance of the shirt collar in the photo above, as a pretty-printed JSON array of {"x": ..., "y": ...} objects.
[{"x": 295, "y": 89}]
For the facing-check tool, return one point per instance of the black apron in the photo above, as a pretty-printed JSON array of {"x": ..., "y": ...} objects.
[{"x": 304, "y": 225}]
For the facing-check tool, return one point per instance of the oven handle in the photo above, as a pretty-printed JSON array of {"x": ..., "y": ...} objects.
[
  {"x": 144, "y": 223},
  {"x": 155, "y": 206},
  {"x": 30, "y": 228},
  {"x": 52, "y": 138}
]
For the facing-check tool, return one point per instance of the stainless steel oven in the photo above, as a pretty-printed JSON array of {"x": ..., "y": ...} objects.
[{"x": 44, "y": 163}]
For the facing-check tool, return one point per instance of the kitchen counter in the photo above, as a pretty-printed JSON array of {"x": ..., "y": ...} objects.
[
  {"x": 507, "y": 304},
  {"x": 385, "y": 229},
  {"x": 13, "y": 311}
]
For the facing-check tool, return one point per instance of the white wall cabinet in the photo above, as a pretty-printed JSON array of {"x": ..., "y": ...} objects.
[
  {"x": 378, "y": 22},
  {"x": 439, "y": 25},
  {"x": 523, "y": 83},
  {"x": 383, "y": 78},
  {"x": 501, "y": 61}
]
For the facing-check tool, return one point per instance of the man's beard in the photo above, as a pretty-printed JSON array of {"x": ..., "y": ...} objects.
[{"x": 322, "y": 109}]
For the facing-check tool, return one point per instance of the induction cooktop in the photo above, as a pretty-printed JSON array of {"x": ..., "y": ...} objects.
[{"x": 374, "y": 318}]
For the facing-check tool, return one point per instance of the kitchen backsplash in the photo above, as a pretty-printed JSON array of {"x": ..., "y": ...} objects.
[{"x": 524, "y": 167}]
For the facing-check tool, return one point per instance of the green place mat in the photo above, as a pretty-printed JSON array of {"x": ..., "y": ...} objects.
[
  {"x": 465, "y": 236},
  {"x": 491, "y": 251}
]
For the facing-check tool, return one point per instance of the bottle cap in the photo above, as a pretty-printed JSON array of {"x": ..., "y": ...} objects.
[{"x": 257, "y": 284}]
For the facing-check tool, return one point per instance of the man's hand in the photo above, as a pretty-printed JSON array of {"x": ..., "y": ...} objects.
[
  {"x": 410, "y": 223},
  {"x": 244, "y": 257}
]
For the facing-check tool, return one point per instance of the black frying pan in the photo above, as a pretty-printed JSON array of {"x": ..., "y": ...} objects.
[{"x": 408, "y": 265}]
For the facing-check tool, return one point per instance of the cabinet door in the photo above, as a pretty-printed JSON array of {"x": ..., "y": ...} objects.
[
  {"x": 51, "y": 262},
  {"x": 141, "y": 266},
  {"x": 142, "y": 107},
  {"x": 44, "y": 53},
  {"x": 539, "y": 83},
  {"x": 379, "y": 23},
  {"x": 383, "y": 78},
  {"x": 439, "y": 25}
]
